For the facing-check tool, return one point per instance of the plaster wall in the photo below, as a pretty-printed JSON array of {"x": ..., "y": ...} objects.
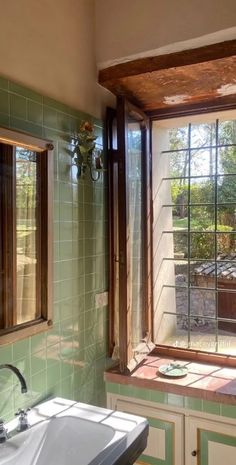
[
  {"x": 163, "y": 247},
  {"x": 126, "y": 29},
  {"x": 48, "y": 46}
]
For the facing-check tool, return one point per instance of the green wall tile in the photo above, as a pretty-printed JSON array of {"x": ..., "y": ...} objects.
[
  {"x": 228, "y": 410},
  {"x": 38, "y": 383},
  {"x": 50, "y": 118},
  {"x": 78, "y": 336},
  {"x": 158, "y": 396},
  {"x": 6, "y": 354},
  {"x": 193, "y": 403},
  {"x": 126, "y": 390},
  {"x": 35, "y": 112},
  {"x": 38, "y": 361},
  {"x": 38, "y": 342},
  {"x": 4, "y": 119},
  {"x": 18, "y": 106},
  {"x": 21, "y": 349},
  {"x": 174, "y": 399},
  {"x": 25, "y": 126},
  {"x": 4, "y": 102},
  {"x": 3, "y": 83},
  {"x": 25, "y": 92},
  {"x": 211, "y": 407}
]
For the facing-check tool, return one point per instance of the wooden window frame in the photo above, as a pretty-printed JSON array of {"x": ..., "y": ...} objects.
[
  {"x": 44, "y": 238},
  {"x": 170, "y": 351},
  {"x": 119, "y": 156},
  {"x": 160, "y": 350}
]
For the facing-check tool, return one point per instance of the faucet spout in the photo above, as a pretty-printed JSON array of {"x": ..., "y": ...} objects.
[{"x": 18, "y": 374}]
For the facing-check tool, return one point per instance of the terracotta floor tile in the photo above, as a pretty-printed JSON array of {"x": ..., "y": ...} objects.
[
  {"x": 144, "y": 371},
  {"x": 228, "y": 388},
  {"x": 210, "y": 383},
  {"x": 203, "y": 369},
  {"x": 229, "y": 373}
]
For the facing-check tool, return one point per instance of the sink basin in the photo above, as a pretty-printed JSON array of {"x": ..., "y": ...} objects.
[{"x": 77, "y": 434}]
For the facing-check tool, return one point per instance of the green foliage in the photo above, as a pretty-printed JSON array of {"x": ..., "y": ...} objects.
[{"x": 203, "y": 244}]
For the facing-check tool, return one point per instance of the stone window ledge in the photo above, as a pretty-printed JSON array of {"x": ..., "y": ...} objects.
[{"x": 206, "y": 381}]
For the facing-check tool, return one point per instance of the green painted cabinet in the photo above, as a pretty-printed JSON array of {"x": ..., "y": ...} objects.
[
  {"x": 209, "y": 442},
  {"x": 179, "y": 435},
  {"x": 166, "y": 431}
]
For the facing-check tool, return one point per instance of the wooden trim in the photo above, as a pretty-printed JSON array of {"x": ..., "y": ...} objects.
[
  {"x": 46, "y": 180},
  {"x": 8, "y": 220},
  {"x": 22, "y": 331},
  {"x": 194, "y": 355},
  {"x": 9, "y": 331},
  {"x": 126, "y": 110},
  {"x": 20, "y": 139},
  {"x": 110, "y": 117},
  {"x": 167, "y": 61},
  {"x": 39, "y": 235},
  {"x": 219, "y": 104},
  {"x": 122, "y": 214}
]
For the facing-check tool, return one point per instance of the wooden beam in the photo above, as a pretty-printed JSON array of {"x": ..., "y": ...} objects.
[{"x": 171, "y": 60}]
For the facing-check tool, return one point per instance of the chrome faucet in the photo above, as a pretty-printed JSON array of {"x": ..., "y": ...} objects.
[
  {"x": 18, "y": 374},
  {"x": 3, "y": 432},
  {"x": 23, "y": 422}
]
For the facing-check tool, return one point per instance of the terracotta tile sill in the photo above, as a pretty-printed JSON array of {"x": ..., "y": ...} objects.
[{"x": 205, "y": 381}]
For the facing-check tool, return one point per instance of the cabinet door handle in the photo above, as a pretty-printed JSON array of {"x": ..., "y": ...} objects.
[{"x": 194, "y": 453}]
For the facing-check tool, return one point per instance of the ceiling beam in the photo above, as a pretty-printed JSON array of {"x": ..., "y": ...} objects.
[{"x": 171, "y": 60}]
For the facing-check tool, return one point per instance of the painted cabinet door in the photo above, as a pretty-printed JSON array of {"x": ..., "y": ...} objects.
[
  {"x": 166, "y": 438},
  {"x": 209, "y": 442}
]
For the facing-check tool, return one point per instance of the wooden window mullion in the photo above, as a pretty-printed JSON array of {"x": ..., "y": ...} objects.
[{"x": 8, "y": 235}]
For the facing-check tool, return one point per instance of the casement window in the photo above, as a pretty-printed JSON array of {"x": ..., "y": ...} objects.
[
  {"x": 194, "y": 186},
  {"x": 25, "y": 235},
  {"x": 172, "y": 253},
  {"x": 130, "y": 234}
]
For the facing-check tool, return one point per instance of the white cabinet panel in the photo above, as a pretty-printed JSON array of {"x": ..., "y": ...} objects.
[
  {"x": 209, "y": 442},
  {"x": 166, "y": 431},
  {"x": 218, "y": 454}
]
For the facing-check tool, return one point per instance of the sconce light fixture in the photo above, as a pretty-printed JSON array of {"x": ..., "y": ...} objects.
[{"x": 86, "y": 156}]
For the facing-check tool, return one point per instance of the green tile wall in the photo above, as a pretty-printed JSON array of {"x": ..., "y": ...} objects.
[
  {"x": 70, "y": 359},
  {"x": 173, "y": 400}
]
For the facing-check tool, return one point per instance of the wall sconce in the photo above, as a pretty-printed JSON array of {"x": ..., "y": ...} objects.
[{"x": 86, "y": 156}]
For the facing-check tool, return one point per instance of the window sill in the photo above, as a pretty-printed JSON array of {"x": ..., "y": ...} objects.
[
  {"x": 29, "y": 329},
  {"x": 205, "y": 381}
]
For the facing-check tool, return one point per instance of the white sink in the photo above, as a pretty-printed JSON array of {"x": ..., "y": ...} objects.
[{"x": 67, "y": 433}]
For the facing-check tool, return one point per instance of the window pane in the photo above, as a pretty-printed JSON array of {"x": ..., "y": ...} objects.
[
  {"x": 227, "y": 160},
  {"x": 227, "y": 337},
  {"x": 203, "y": 134},
  {"x": 202, "y": 245},
  {"x": 172, "y": 330},
  {"x": 226, "y": 218},
  {"x": 202, "y": 162},
  {"x": 226, "y": 241},
  {"x": 226, "y": 189},
  {"x": 178, "y": 138},
  {"x": 203, "y": 334},
  {"x": 202, "y": 217},
  {"x": 226, "y": 272},
  {"x": 196, "y": 237},
  {"x": 26, "y": 234},
  {"x": 178, "y": 163},
  {"x": 135, "y": 207},
  {"x": 203, "y": 304},
  {"x": 174, "y": 244},
  {"x": 202, "y": 190},
  {"x": 202, "y": 274},
  {"x": 227, "y": 132}
]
